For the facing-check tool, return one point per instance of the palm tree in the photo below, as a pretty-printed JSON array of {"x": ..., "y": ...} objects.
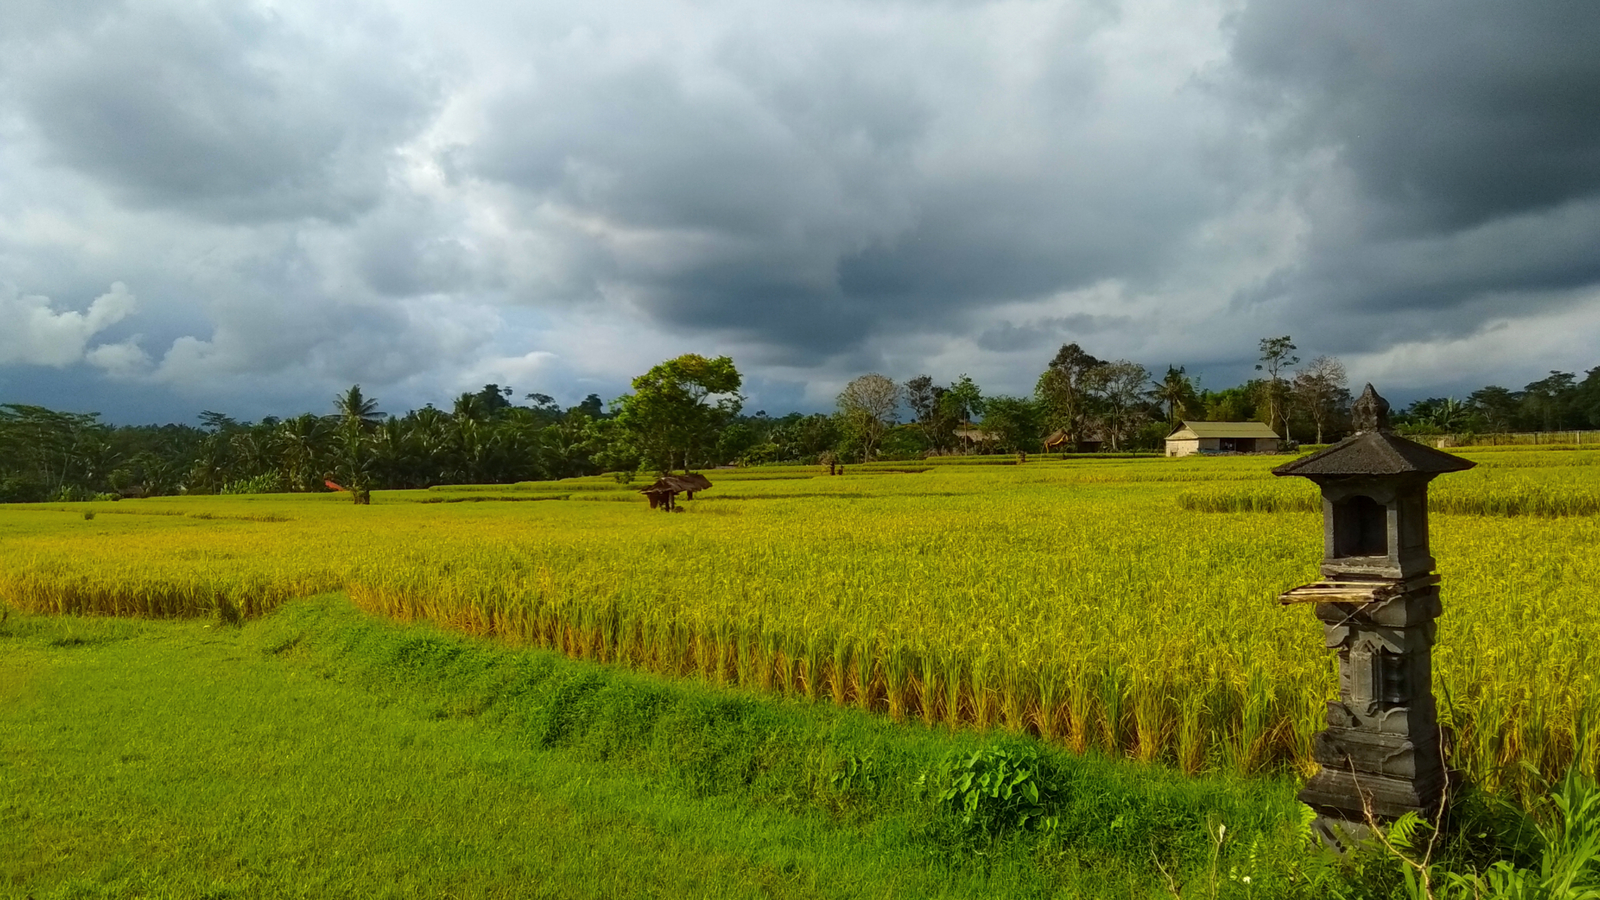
[
  {"x": 352, "y": 407},
  {"x": 356, "y": 463},
  {"x": 302, "y": 446},
  {"x": 1177, "y": 392}
]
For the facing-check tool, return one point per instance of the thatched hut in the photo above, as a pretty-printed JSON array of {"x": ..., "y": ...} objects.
[
  {"x": 1058, "y": 442},
  {"x": 663, "y": 495}
]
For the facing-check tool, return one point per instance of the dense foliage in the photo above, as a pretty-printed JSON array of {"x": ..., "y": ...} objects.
[{"x": 687, "y": 413}]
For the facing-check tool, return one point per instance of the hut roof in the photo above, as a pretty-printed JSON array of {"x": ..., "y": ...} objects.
[
  {"x": 675, "y": 483},
  {"x": 1375, "y": 453},
  {"x": 1193, "y": 430},
  {"x": 1374, "y": 449}
]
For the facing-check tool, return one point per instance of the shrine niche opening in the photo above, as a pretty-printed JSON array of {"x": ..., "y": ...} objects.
[{"x": 1360, "y": 527}]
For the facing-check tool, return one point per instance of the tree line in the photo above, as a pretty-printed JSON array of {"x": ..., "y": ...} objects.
[{"x": 688, "y": 413}]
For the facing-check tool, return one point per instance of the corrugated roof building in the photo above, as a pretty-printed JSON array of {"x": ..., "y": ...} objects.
[{"x": 1222, "y": 437}]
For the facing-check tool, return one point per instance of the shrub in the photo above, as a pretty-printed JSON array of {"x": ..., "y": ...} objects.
[
  {"x": 996, "y": 790},
  {"x": 268, "y": 483}
]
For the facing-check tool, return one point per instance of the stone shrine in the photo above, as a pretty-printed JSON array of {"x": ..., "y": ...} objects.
[{"x": 1381, "y": 755}]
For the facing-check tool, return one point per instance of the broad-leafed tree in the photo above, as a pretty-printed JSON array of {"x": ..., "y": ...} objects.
[
  {"x": 867, "y": 407},
  {"x": 1065, "y": 390},
  {"x": 678, "y": 408}
]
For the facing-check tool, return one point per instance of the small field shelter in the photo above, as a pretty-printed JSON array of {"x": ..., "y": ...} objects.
[
  {"x": 1222, "y": 437},
  {"x": 1090, "y": 442}
]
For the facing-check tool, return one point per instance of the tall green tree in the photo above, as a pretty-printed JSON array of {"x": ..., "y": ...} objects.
[
  {"x": 1235, "y": 404},
  {"x": 922, "y": 396},
  {"x": 1587, "y": 397},
  {"x": 1548, "y": 402},
  {"x": 805, "y": 438},
  {"x": 1015, "y": 423},
  {"x": 676, "y": 410},
  {"x": 964, "y": 400},
  {"x": 1066, "y": 391},
  {"x": 356, "y": 463},
  {"x": 1496, "y": 407},
  {"x": 1122, "y": 388},
  {"x": 45, "y": 453},
  {"x": 1277, "y": 357},
  {"x": 302, "y": 450}
]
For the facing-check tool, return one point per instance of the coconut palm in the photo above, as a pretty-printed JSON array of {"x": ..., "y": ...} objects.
[
  {"x": 352, "y": 407},
  {"x": 1177, "y": 392}
]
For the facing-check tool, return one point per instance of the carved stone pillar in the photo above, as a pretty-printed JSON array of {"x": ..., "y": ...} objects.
[{"x": 1381, "y": 753}]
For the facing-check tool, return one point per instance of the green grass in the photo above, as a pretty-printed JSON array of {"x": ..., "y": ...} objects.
[{"x": 323, "y": 753}]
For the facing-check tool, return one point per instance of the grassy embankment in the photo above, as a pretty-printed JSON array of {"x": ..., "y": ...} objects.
[
  {"x": 1076, "y": 600},
  {"x": 323, "y": 753}
]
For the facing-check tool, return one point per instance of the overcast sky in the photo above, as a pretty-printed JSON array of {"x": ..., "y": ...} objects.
[{"x": 248, "y": 206}]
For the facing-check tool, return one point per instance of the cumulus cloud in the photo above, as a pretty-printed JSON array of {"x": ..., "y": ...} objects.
[
  {"x": 37, "y": 334},
  {"x": 122, "y": 360},
  {"x": 529, "y": 370},
  {"x": 259, "y": 337}
]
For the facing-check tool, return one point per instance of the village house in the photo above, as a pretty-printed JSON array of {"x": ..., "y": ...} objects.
[{"x": 1222, "y": 437}]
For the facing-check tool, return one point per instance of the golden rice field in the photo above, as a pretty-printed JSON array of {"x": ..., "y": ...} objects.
[{"x": 1097, "y": 603}]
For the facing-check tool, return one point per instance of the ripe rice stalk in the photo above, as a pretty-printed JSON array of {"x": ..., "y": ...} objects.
[
  {"x": 1052, "y": 704},
  {"x": 1019, "y": 698},
  {"x": 1113, "y": 708},
  {"x": 1082, "y": 688},
  {"x": 839, "y": 672},
  {"x": 1254, "y": 730},
  {"x": 748, "y": 652},
  {"x": 1193, "y": 730},
  {"x": 767, "y": 661},
  {"x": 982, "y": 695},
  {"x": 956, "y": 676},
  {"x": 680, "y": 648},
  {"x": 897, "y": 666},
  {"x": 784, "y": 665},
  {"x": 930, "y": 688},
  {"x": 1153, "y": 718},
  {"x": 818, "y": 653},
  {"x": 866, "y": 673}
]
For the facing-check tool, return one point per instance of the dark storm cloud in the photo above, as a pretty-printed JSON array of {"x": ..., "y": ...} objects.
[
  {"x": 811, "y": 208},
  {"x": 423, "y": 199},
  {"x": 1450, "y": 115},
  {"x": 1465, "y": 140},
  {"x": 1048, "y": 332},
  {"x": 223, "y": 111},
  {"x": 718, "y": 207},
  {"x": 998, "y": 239}
]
